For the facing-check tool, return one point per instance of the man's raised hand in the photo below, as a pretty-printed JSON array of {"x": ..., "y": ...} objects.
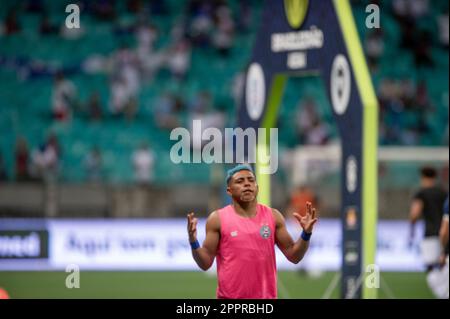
[
  {"x": 309, "y": 219},
  {"x": 192, "y": 227}
]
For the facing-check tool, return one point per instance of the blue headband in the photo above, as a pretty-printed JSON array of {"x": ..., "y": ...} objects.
[{"x": 238, "y": 168}]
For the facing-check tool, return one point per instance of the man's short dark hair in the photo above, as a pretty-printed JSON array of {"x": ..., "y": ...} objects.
[
  {"x": 428, "y": 171},
  {"x": 238, "y": 168}
]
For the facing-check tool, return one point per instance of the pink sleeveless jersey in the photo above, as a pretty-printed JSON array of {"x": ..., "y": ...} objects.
[{"x": 246, "y": 266}]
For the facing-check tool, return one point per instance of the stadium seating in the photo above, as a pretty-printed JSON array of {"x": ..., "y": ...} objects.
[{"x": 25, "y": 102}]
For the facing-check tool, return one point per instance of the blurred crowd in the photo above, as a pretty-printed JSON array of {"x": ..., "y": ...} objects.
[
  {"x": 206, "y": 25},
  {"x": 203, "y": 25}
]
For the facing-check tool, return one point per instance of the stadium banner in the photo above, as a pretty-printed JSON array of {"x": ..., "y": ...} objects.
[
  {"x": 23, "y": 244},
  {"x": 162, "y": 245}
]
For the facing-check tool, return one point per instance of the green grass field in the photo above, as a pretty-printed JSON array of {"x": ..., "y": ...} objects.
[{"x": 186, "y": 285}]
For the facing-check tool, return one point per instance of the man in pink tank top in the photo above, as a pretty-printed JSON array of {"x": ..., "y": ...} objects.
[{"x": 242, "y": 238}]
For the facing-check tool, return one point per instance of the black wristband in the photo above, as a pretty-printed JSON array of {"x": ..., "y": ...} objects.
[
  {"x": 305, "y": 236},
  {"x": 195, "y": 244}
]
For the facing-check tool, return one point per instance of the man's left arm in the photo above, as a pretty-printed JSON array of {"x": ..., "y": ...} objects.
[
  {"x": 295, "y": 251},
  {"x": 444, "y": 234}
]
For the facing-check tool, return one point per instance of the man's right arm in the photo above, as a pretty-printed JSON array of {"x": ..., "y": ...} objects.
[
  {"x": 415, "y": 212},
  {"x": 204, "y": 255}
]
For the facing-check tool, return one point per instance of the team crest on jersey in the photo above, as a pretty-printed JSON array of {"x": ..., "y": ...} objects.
[{"x": 264, "y": 231}]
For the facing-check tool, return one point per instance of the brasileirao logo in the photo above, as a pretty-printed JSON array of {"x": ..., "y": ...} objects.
[{"x": 296, "y": 12}]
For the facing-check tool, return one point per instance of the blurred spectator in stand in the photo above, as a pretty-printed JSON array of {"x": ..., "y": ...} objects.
[
  {"x": 126, "y": 63},
  {"x": 12, "y": 24},
  {"x": 63, "y": 97},
  {"x": 244, "y": 16},
  {"x": 178, "y": 31},
  {"x": 143, "y": 161},
  {"x": 224, "y": 33},
  {"x": 46, "y": 160},
  {"x": 318, "y": 134},
  {"x": 122, "y": 101},
  {"x": 53, "y": 143},
  {"x": 422, "y": 50},
  {"x": 22, "y": 158},
  {"x": 179, "y": 59},
  {"x": 407, "y": 13},
  {"x": 125, "y": 82},
  {"x": 374, "y": 46},
  {"x": 119, "y": 96},
  {"x": 201, "y": 25},
  {"x": 123, "y": 27},
  {"x": 410, "y": 9},
  {"x": 442, "y": 21},
  {"x": 3, "y": 174},
  {"x": 105, "y": 10},
  {"x": 46, "y": 27},
  {"x": 400, "y": 9},
  {"x": 149, "y": 59},
  {"x": 405, "y": 91},
  {"x": 419, "y": 8},
  {"x": 166, "y": 111},
  {"x": 306, "y": 117},
  {"x": 401, "y": 12},
  {"x": 422, "y": 98},
  {"x": 93, "y": 163},
  {"x": 94, "y": 107},
  {"x": 408, "y": 34},
  {"x": 201, "y": 103},
  {"x": 38, "y": 163}
]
